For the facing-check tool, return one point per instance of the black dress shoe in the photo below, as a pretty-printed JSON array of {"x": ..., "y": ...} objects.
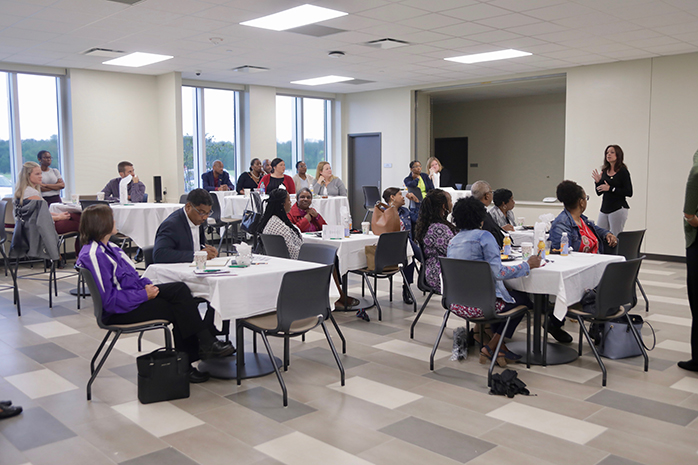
[
  {"x": 5, "y": 403},
  {"x": 560, "y": 334},
  {"x": 406, "y": 297},
  {"x": 7, "y": 412},
  {"x": 689, "y": 365},
  {"x": 217, "y": 350},
  {"x": 196, "y": 376}
]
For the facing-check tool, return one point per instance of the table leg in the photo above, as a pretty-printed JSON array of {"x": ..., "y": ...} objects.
[{"x": 341, "y": 304}]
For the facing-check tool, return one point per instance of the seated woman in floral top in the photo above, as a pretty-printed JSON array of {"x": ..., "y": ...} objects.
[
  {"x": 472, "y": 243},
  {"x": 433, "y": 233},
  {"x": 276, "y": 223}
]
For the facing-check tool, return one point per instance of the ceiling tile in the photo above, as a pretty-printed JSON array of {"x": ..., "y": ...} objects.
[
  {"x": 454, "y": 44},
  {"x": 632, "y": 36},
  {"x": 19, "y": 8},
  {"x": 9, "y": 20},
  {"x": 645, "y": 10},
  {"x": 184, "y": 7},
  {"x": 493, "y": 36},
  {"x": 475, "y": 12},
  {"x": 671, "y": 49},
  {"x": 587, "y": 20},
  {"x": 392, "y": 12},
  {"x": 91, "y": 6},
  {"x": 665, "y": 20},
  {"x": 518, "y": 5},
  {"x": 563, "y": 10},
  {"x": 424, "y": 37},
  {"x": 463, "y": 29},
  {"x": 507, "y": 21},
  {"x": 654, "y": 42},
  {"x": 389, "y": 30},
  {"x": 431, "y": 21},
  {"x": 537, "y": 29},
  {"x": 440, "y": 5}
]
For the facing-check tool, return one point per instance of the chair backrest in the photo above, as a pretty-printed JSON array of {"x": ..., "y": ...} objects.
[
  {"x": 416, "y": 191},
  {"x": 469, "y": 283},
  {"x": 94, "y": 292},
  {"x": 371, "y": 196},
  {"x": 274, "y": 246},
  {"x": 145, "y": 198},
  {"x": 391, "y": 250},
  {"x": 9, "y": 213},
  {"x": 86, "y": 203},
  {"x": 303, "y": 294},
  {"x": 256, "y": 202},
  {"x": 617, "y": 287},
  {"x": 88, "y": 196},
  {"x": 148, "y": 256},
  {"x": 183, "y": 198},
  {"x": 422, "y": 284},
  {"x": 317, "y": 253},
  {"x": 468, "y": 187},
  {"x": 215, "y": 208},
  {"x": 3, "y": 233},
  {"x": 629, "y": 243}
]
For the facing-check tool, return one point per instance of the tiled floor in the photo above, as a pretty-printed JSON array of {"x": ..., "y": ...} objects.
[{"x": 393, "y": 410}]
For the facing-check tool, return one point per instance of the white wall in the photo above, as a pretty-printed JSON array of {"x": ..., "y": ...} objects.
[
  {"x": 259, "y": 126},
  {"x": 518, "y": 143}
]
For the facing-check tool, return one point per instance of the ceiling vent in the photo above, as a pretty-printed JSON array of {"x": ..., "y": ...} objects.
[
  {"x": 315, "y": 30},
  {"x": 103, "y": 52},
  {"x": 387, "y": 43},
  {"x": 126, "y": 2},
  {"x": 249, "y": 69}
]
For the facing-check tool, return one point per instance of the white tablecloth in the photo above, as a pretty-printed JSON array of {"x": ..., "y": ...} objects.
[
  {"x": 330, "y": 208},
  {"x": 456, "y": 194},
  {"x": 243, "y": 293},
  {"x": 140, "y": 221},
  {"x": 65, "y": 207},
  {"x": 222, "y": 195},
  {"x": 350, "y": 251},
  {"x": 565, "y": 277}
]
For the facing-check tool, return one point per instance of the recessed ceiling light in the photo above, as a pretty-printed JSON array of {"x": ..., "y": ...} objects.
[
  {"x": 137, "y": 59},
  {"x": 295, "y": 17},
  {"x": 489, "y": 56},
  {"x": 322, "y": 80}
]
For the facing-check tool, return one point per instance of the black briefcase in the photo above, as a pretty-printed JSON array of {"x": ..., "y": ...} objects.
[{"x": 162, "y": 375}]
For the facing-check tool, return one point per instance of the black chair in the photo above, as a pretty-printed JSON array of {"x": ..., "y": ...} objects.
[
  {"x": 5, "y": 260},
  {"x": 217, "y": 221},
  {"x": 326, "y": 255},
  {"x": 426, "y": 288},
  {"x": 117, "y": 330},
  {"x": 471, "y": 283},
  {"x": 183, "y": 198},
  {"x": 148, "y": 256},
  {"x": 391, "y": 256},
  {"x": 629, "y": 244},
  {"x": 302, "y": 305},
  {"x": 274, "y": 246},
  {"x": 371, "y": 196},
  {"x": 615, "y": 297},
  {"x": 416, "y": 191}
]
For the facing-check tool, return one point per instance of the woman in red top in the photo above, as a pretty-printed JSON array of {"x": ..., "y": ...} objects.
[
  {"x": 277, "y": 177},
  {"x": 303, "y": 215}
]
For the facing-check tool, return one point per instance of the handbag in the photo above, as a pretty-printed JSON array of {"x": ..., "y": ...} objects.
[
  {"x": 615, "y": 340},
  {"x": 162, "y": 375},
  {"x": 384, "y": 219},
  {"x": 251, "y": 216},
  {"x": 370, "y": 257}
]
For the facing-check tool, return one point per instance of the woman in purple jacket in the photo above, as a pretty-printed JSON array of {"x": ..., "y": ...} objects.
[{"x": 127, "y": 298}]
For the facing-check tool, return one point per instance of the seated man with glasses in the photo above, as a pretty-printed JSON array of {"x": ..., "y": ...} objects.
[{"x": 182, "y": 233}]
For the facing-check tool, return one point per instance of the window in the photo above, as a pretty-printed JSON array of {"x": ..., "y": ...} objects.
[
  {"x": 29, "y": 122},
  {"x": 210, "y": 127},
  {"x": 302, "y": 126}
]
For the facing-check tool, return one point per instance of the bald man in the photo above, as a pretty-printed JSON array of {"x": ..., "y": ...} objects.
[{"x": 217, "y": 179}]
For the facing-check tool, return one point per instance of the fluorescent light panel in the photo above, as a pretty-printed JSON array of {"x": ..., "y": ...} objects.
[
  {"x": 295, "y": 17},
  {"x": 322, "y": 80},
  {"x": 489, "y": 56},
  {"x": 137, "y": 59}
]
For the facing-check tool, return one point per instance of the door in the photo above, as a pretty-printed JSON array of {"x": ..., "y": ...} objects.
[
  {"x": 452, "y": 152},
  {"x": 364, "y": 151}
]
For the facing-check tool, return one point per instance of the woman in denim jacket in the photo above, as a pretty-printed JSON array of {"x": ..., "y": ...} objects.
[
  {"x": 583, "y": 234},
  {"x": 472, "y": 243}
]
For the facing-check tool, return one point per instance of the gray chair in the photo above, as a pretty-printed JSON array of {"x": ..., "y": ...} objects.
[
  {"x": 5, "y": 260},
  {"x": 117, "y": 330},
  {"x": 471, "y": 283},
  {"x": 391, "y": 256},
  {"x": 302, "y": 305},
  {"x": 615, "y": 297},
  {"x": 274, "y": 246},
  {"x": 629, "y": 244},
  {"x": 426, "y": 288},
  {"x": 183, "y": 198},
  {"x": 371, "y": 196},
  {"x": 148, "y": 256},
  {"x": 326, "y": 255},
  {"x": 217, "y": 221}
]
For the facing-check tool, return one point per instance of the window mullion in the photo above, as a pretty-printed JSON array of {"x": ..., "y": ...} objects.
[
  {"x": 15, "y": 135},
  {"x": 299, "y": 151},
  {"x": 200, "y": 134}
]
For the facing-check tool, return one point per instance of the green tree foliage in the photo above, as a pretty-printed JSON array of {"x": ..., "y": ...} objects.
[
  {"x": 30, "y": 147},
  {"x": 223, "y": 151}
]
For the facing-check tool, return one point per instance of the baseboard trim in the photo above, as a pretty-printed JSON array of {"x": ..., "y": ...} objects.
[{"x": 665, "y": 258}]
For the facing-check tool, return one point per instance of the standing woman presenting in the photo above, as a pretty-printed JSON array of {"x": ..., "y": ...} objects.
[
  {"x": 613, "y": 182},
  {"x": 690, "y": 225}
]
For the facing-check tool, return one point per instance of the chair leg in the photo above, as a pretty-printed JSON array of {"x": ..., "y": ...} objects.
[
  {"x": 366, "y": 215},
  {"x": 528, "y": 340},
  {"x": 287, "y": 356},
  {"x": 438, "y": 339},
  {"x": 639, "y": 342},
  {"x": 644, "y": 296},
  {"x": 95, "y": 371},
  {"x": 16, "y": 293},
  {"x": 390, "y": 278},
  {"x": 593, "y": 349},
  {"x": 421, "y": 310},
  {"x": 140, "y": 338},
  {"x": 363, "y": 288},
  {"x": 276, "y": 369},
  {"x": 496, "y": 352},
  {"x": 409, "y": 288},
  {"x": 78, "y": 289},
  {"x": 50, "y": 285},
  {"x": 375, "y": 299},
  {"x": 545, "y": 336},
  {"x": 334, "y": 352},
  {"x": 339, "y": 332}
]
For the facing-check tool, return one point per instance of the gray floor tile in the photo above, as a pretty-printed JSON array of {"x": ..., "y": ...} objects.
[
  {"x": 167, "y": 456},
  {"x": 460, "y": 378},
  {"x": 658, "y": 364},
  {"x": 444, "y": 441},
  {"x": 34, "y": 427},
  {"x": 324, "y": 356},
  {"x": 129, "y": 372},
  {"x": 45, "y": 353},
  {"x": 615, "y": 460},
  {"x": 56, "y": 311},
  {"x": 372, "y": 327},
  {"x": 270, "y": 404},
  {"x": 645, "y": 407}
]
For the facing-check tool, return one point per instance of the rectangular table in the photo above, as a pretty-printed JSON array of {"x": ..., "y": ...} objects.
[
  {"x": 329, "y": 208},
  {"x": 350, "y": 250},
  {"x": 566, "y": 278},
  {"x": 244, "y": 293}
]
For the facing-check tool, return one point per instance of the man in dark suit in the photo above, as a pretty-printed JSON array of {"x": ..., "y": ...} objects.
[
  {"x": 217, "y": 179},
  {"x": 182, "y": 233},
  {"x": 482, "y": 191}
]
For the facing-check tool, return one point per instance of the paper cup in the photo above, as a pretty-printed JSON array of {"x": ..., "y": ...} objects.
[
  {"x": 100, "y": 195},
  {"x": 75, "y": 198},
  {"x": 365, "y": 227},
  {"x": 520, "y": 221},
  {"x": 247, "y": 193},
  {"x": 526, "y": 250},
  {"x": 200, "y": 259}
]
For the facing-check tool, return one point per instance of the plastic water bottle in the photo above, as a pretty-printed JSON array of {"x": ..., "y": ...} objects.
[
  {"x": 347, "y": 225},
  {"x": 507, "y": 245},
  {"x": 564, "y": 245},
  {"x": 261, "y": 188},
  {"x": 541, "y": 249}
]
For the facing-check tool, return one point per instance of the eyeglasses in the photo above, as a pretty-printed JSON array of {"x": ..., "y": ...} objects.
[
  {"x": 201, "y": 214},
  {"x": 587, "y": 197}
]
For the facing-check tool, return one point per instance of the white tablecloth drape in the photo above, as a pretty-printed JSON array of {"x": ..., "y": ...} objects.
[
  {"x": 350, "y": 250},
  {"x": 565, "y": 277},
  {"x": 140, "y": 221},
  {"x": 330, "y": 208},
  {"x": 243, "y": 293}
]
